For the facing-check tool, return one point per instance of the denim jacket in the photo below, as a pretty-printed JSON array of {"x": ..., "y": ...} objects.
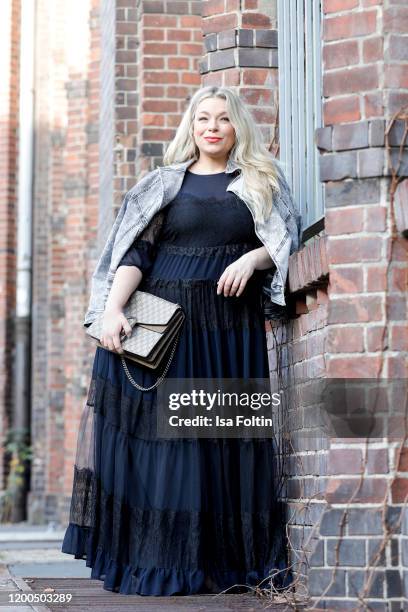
[{"x": 280, "y": 232}]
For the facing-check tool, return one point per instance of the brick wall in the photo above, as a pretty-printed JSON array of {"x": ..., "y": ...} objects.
[
  {"x": 349, "y": 518},
  {"x": 65, "y": 228}
]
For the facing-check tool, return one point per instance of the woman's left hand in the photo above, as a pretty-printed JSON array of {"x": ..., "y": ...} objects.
[{"x": 235, "y": 276}]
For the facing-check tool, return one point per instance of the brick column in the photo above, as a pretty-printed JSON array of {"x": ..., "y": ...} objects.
[
  {"x": 242, "y": 52},
  {"x": 364, "y": 66}
]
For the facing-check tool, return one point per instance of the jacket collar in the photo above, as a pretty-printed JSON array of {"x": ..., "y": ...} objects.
[{"x": 182, "y": 166}]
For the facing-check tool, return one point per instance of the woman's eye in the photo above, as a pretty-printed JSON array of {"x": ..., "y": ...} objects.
[{"x": 222, "y": 118}]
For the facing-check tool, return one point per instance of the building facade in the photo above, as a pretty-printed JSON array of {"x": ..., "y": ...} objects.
[{"x": 327, "y": 83}]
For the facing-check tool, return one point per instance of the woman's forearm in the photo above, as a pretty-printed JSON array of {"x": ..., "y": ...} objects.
[
  {"x": 262, "y": 258},
  {"x": 126, "y": 280}
]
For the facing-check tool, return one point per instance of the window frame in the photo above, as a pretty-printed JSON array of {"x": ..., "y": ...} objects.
[{"x": 301, "y": 105}]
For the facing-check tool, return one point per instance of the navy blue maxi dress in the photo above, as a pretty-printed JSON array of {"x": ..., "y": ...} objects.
[{"x": 154, "y": 516}]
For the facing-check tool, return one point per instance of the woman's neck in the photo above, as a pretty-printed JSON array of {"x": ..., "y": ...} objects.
[{"x": 206, "y": 169}]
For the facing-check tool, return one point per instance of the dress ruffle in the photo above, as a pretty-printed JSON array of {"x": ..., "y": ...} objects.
[{"x": 157, "y": 581}]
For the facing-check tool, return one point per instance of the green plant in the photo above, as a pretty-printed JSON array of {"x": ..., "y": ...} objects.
[{"x": 20, "y": 454}]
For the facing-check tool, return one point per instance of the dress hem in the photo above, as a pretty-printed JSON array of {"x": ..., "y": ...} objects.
[{"x": 159, "y": 582}]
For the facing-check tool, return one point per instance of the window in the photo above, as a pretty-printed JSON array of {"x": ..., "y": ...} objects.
[{"x": 300, "y": 104}]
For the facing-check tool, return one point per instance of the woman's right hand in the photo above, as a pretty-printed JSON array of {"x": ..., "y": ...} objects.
[{"x": 113, "y": 322}]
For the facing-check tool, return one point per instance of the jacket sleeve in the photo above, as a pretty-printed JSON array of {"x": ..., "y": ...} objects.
[
  {"x": 290, "y": 213},
  {"x": 287, "y": 204},
  {"x": 101, "y": 272}
]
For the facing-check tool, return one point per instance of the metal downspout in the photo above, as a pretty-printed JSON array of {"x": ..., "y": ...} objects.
[{"x": 22, "y": 363}]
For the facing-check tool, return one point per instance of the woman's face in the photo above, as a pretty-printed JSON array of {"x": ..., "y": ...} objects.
[{"x": 213, "y": 132}]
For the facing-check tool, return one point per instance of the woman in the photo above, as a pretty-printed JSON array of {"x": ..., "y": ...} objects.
[{"x": 182, "y": 516}]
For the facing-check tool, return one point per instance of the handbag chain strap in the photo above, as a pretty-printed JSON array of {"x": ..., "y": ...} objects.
[{"x": 162, "y": 375}]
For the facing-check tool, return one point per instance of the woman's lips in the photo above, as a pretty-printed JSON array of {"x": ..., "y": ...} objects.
[{"x": 212, "y": 139}]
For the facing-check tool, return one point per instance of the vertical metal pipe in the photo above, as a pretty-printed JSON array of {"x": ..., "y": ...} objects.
[{"x": 22, "y": 364}]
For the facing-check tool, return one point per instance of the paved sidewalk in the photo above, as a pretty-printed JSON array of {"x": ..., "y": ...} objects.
[
  {"x": 31, "y": 563},
  {"x": 10, "y": 586}
]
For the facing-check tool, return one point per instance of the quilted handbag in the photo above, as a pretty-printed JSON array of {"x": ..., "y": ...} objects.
[{"x": 156, "y": 324}]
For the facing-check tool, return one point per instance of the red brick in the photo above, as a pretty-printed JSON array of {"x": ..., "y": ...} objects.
[
  {"x": 161, "y": 77},
  {"x": 190, "y": 78},
  {"x": 400, "y": 249},
  {"x": 342, "y": 110},
  {"x": 376, "y": 218},
  {"x": 178, "y": 63},
  {"x": 354, "y": 80},
  {"x": 369, "y": 490},
  {"x": 232, "y": 5},
  {"x": 157, "y": 134},
  {"x": 255, "y": 20},
  {"x": 373, "y": 49},
  {"x": 160, "y": 21},
  {"x": 396, "y": 76},
  {"x": 232, "y": 77},
  {"x": 396, "y": 307},
  {"x": 346, "y": 280},
  {"x": 316, "y": 367},
  {"x": 377, "y": 461},
  {"x": 373, "y": 105},
  {"x": 251, "y": 76},
  {"x": 399, "y": 490},
  {"x": 193, "y": 21},
  {"x": 153, "y": 34},
  {"x": 162, "y": 49},
  {"x": 152, "y": 119},
  {"x": 256, "y": 96},
  {"x": 359, "y": 308},
  {"x": 399, "y": 279},
  {"x": 337, "y": 6},
  {"x": 152, "y": 63},
  {"x": 124, "y": 28},
  {"x": 213, "y": 7},
  {"x": 191, "y": 49},
  {"x": 399, "y": 338},
  {"x": 354, "y": 250},
  {"x": 354, "y": 367},
  {"x": 395, "y": 19},
  {"x": 397, "y": 99},
  {"x": 321, "y": 244},
  {"x": 220, "y": 23},
  {"x": 397, "y": 366},
  {"x": 345, "y": 461},
  {"x": 345, "y": 339},
  {"x": 350, "y": 25},
  {"x": 376, "y": 337},
  {"x": 179, "y": 35},
  {"x": 344, "y": 221},
  {"x": 376, "y": 278},
  {"x": 337, "y": 55},
  {"x": 403, "y": 460},
  {"x": 177, "y": 91}
]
